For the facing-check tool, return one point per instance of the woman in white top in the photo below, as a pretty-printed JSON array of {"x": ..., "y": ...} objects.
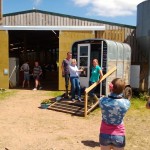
[{"x": 74, "y": 79}]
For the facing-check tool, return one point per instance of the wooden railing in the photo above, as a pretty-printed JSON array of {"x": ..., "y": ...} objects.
[{"x": 87, "y": 90}]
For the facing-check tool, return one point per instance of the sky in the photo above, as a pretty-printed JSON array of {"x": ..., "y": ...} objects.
[{"x": 116, "y": 11}]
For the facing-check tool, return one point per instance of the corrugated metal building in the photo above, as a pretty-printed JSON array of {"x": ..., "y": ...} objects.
[{"x": 24, "y": 37}]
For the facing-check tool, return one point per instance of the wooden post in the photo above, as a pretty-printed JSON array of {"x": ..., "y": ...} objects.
[
  {"x": 87, "y": 90},
  {"x": 1, "y": 12},
  {"x": 85, "y": 104}
]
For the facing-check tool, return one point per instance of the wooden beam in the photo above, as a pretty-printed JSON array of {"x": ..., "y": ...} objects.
[{"x": 103, "y": 78}]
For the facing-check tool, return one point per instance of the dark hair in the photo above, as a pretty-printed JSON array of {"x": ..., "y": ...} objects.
[{"x": 118, "y": 85}]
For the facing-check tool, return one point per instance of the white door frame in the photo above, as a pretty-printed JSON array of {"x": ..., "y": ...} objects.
[{"x": 84, "y": 80}]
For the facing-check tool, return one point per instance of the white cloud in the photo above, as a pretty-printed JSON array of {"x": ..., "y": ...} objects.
[
  {"x": 109, "y": 8},
  {"x": 37, "y": 2}
]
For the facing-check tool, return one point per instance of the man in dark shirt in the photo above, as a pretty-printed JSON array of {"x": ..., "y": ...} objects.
[{"x": 65, "y": 71}]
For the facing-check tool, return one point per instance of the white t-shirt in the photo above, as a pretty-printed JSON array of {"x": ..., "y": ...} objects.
[{"x": 73, "y": 71}]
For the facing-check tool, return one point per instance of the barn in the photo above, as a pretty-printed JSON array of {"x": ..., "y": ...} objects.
[{"x": 48, "y": 36}]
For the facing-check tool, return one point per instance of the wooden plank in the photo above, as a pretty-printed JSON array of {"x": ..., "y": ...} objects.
[
  {"x": 103, "y": 78},
  {"x": 85, "y": 105},
  {"x": 92, "y": 107},
  {"x": 66, "y": 111},
  {"x": 79, "y": 109}
]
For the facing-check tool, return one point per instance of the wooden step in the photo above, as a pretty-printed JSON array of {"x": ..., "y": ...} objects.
[{"x": 67, "y": 111}]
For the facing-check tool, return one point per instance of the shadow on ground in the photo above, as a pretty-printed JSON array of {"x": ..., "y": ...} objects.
[{"x": 90, "y": 143}]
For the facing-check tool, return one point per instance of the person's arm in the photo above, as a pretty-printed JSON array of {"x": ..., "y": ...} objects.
[
  {"x": 101, "y": 74},
  {"x": 40, "y": 71},
  {"x": 80, "y": 70}
]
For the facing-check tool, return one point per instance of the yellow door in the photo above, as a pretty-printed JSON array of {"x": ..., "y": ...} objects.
[
  {"x": 4, "y": 65},
  {"x": 66, "y": 39}
]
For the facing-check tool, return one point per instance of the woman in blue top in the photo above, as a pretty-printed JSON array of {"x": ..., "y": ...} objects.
[{"x": 96, "y": 75}]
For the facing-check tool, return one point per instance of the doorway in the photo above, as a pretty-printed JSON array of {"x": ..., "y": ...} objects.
[{"x": 41, "y": 46}]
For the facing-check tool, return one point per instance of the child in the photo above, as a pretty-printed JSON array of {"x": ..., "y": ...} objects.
[
  {"x": 114, "y": 108},
  {"x": 74, "y": 79}
]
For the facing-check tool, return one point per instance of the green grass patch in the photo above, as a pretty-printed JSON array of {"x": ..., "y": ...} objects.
[
  {"x": 6, "y": 93},
  {"x": 55, "y": 93},
  {"x": 137, "y": 103}
]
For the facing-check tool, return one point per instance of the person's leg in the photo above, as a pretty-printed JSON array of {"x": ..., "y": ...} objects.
[
  {"x": 23, "y": 83},
  {"x": 104, "y": 147},
  {"x": 66, "y": 83},
  {"x": 24, "y": 80},
  {"x": 28, "y": 80},
  {"x": 91, "y": 93},
  {"x": 78, "y": 87},
  {"x": 36, "y": 83},
  {"x": 72, "y": 80}
]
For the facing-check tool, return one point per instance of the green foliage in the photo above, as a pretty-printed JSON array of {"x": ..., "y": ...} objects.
[{"x": 46, "y": 101}]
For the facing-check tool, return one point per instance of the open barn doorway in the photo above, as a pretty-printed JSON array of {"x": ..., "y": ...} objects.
[{"x": 31, "y": 46}]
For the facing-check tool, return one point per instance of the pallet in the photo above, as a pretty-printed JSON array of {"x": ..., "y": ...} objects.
[{"x": 67, "y": 106}]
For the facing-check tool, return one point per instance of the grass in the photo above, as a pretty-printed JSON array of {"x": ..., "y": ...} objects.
[
  {"x": 137, "y": 103},
  {"x": 5, "y": 94},
  {"x": 55, "y": 93}
]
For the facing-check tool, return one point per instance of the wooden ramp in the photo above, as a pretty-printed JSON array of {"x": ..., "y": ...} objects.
[
  {"x": 79, "y": 108},
  {"x": 67, "y": 106}
]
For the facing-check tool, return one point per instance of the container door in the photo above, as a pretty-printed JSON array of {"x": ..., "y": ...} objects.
[{"x": 84, "y": 61}]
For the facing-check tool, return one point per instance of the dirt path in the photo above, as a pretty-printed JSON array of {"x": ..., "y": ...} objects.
[{"x": 23, "y": 126}]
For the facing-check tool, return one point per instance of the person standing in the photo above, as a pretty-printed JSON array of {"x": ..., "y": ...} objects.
[
  {"x": 74, "y": 79},
  {"x": 25, "y": 68},
  {"x": 65, "y": 71},
  {"x": 37, "y": 72},
  {"x": 113, "y": 109},
  {"x": 96, "y": 75}
]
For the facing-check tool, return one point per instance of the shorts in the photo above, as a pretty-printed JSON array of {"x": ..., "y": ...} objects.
[
  {"x": 26, "y": 77},
  {"x": 36, "y": 78},
  {"x": 112, "y": 140}
]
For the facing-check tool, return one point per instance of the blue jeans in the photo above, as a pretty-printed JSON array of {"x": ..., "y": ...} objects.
[
  {"x": 75, "y": 85},
  {"x": 67, "y": 76},
  {"x": 91, "y": 93},
  {"x": 114, "y": 140}
]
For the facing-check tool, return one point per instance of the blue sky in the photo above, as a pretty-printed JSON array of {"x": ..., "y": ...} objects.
[{"x": 118, "y": 11}]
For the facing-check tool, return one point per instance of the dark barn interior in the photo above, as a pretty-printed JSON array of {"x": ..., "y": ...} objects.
[{"x": 41, "y": 46}]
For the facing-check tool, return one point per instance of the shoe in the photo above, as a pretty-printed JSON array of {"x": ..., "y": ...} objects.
[
  {"x": 40, "y": 88},
  {"x": 73, "y": 100},
  {"x": 34, "y": 89},
  {"x": 80, "y": 100}
]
